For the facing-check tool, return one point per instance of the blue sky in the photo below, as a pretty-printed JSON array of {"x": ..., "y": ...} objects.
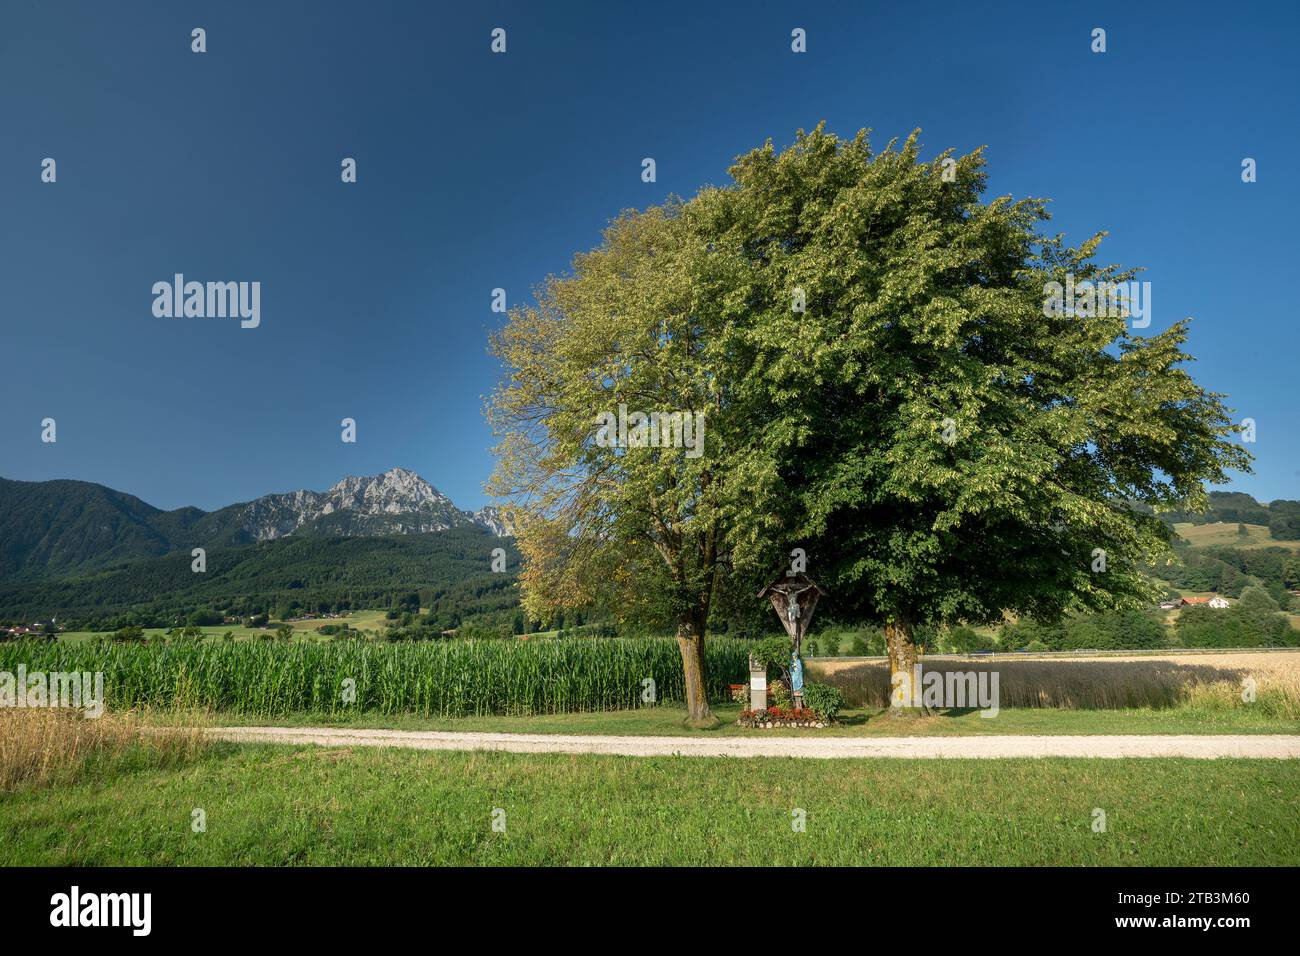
[{"x": 478, "y": 170}]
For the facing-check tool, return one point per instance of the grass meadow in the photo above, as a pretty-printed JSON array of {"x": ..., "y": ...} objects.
[
  {"x": 373, "y": 621},
  {"x": 276, "y": 805},
  {"x": 1225, "y": 533}
]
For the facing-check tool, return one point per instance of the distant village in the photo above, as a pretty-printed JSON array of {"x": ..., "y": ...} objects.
[
  {"x": 52, "y": 628},
  {"x": 48, "y": 628}
]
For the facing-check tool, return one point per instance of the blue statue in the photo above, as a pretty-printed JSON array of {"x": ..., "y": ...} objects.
[{"x": 796, "y": 673}]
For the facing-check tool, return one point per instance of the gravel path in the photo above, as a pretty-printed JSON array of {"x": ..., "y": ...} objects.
[{"x": 1205, "y": 747}]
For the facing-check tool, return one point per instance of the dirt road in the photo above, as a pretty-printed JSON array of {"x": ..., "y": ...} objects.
[{"x": 1207, "y": 747}]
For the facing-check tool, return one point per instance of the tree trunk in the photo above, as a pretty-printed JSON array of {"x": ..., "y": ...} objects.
[
  {"x": 690, "y": 641},
  {"x": 902, "y": 660}
]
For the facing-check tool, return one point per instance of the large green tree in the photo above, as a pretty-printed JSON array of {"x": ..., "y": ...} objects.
[{"x": 881, "y": 385}]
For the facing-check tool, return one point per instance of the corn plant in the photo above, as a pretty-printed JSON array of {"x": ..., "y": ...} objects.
[{"x": 455, "y": 678}]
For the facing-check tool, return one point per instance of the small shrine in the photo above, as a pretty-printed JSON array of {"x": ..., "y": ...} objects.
[{"x": 794, "y": 597}]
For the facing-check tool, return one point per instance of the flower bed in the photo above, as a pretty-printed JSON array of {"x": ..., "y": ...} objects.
[{"x": 781, "y": 717}]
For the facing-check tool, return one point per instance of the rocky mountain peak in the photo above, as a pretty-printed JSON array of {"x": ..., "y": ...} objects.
[
  {"x": 398, "y": 501},
  {"x": 491, "y": 518},
  {"x": 396, "y": 491}
]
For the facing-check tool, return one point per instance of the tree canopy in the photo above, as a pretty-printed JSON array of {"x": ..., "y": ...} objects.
[{"x": 883, "y": 386}]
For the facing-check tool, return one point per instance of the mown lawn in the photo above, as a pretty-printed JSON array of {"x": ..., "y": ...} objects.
[
  {"x": 285, "y": 805},
  {"x": 667, "y": 721}
]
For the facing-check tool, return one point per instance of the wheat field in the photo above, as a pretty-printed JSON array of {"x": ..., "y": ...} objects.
[
  {"x": 1205, "y": 681},
  {"x": 42, "y": 746}
]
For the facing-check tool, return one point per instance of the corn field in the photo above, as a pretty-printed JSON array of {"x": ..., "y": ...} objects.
[{"x": 429, "y": 679}]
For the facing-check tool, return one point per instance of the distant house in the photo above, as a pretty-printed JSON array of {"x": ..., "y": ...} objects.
[
  {"x": 1216, "y": 602},
  {"x": 22, "y": 630}
]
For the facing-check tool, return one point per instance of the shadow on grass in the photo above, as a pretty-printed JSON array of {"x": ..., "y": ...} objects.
[{"x": 856, "y": 720}]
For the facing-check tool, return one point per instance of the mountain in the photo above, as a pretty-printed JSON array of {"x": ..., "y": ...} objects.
[
  {"x": 57, "y": 528},
  {"x": 396, "y": 502}
]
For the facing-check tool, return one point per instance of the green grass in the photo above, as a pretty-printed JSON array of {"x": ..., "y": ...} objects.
[
  {"x": 668, "y": 721},
  {"x": 268, "y": 805}
]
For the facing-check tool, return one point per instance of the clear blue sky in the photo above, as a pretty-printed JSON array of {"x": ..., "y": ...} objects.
[{"x": 478, "y": 171}]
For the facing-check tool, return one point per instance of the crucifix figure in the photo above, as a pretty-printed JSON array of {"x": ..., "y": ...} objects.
[
  {"x": 786, "y": 600},
  {"x": 792, "y": 610}
]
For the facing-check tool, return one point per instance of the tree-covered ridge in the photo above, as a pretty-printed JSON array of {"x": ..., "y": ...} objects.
[
  {"x": 65, "y": 526},
  {"x": 1227, "y": 571},
  {"x": 451, "y": 572},
  {"x": 1281, "y": 517}
]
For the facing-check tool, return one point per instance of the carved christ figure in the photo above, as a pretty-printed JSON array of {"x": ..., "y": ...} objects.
[{"x": 792, "y": 609}]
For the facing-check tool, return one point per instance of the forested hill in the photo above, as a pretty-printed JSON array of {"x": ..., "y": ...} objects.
[
  {"x": 1281, "y": 517},
  {"x": 60, "y": 526},
  {"x": 451, "y": 569}
]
